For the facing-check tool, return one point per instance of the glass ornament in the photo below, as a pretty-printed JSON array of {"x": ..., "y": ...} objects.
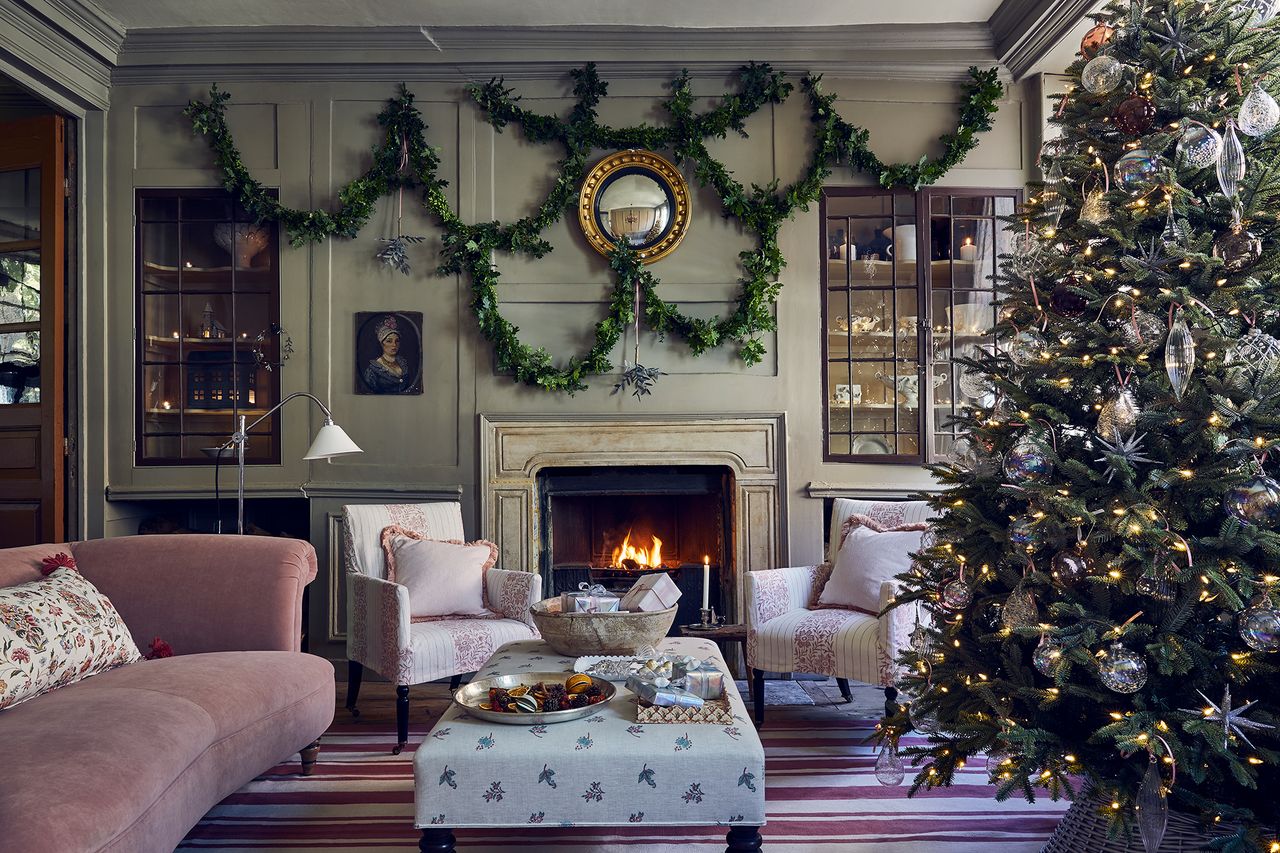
[
  {"x": 1134, "y": 115},
  {"x": 1071, "y": 566},
  {"x": 1259, "y": 112},
  {"x": 1256, "y": 503},
  {"x": 1259, "y": 625},
  {"x": 1152, "y": 807},
  {"x": 919, "y": 639},
  {"x": 1122, "y": 670},
  {"x": 1098, "y": 37},
  {"x": 1024, "y": 251},
  {"x": 989, "y": 614},
  {"x": 1020, "y": 608},
  {"x": 1199, "y": 146},
  {"x": 1136, "y": 169},
  {"x": 890, "y": 770},
  {"x": 974, "y": 384},
  {"x": 1026, "y": 348},
  {"x": 1101, "y": 74},
  {"x": 1257, "y": 350},
  {"x": 1174, "y": 235},
  {"x": 921, "y": 720},
  {"x": 1023, "y": 531},
  {"x": 1066, "y": 301},
  {"x": 1141, "y": 331},
  {"x": 1238, "y": 248},
  {"x": 999, "y": 763},
  {"x": 1230, "y": 162},
  {"x": 1260, "y": 10},
  {"x": 1158, "y": 584},
  {"x": 1179, "y": 355},
  {"x": 956, "y": 594},
  {"x": 1047, "y": 656},
  {"x": 1118, "y": 416},
  {"x": 1095, "y": 209},
  {"x": 1028, "y": 461},
  {"x": 1051, "y": 198}
]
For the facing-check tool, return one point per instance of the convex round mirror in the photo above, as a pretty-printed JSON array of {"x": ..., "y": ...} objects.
[{"x": 638, "y": 198}]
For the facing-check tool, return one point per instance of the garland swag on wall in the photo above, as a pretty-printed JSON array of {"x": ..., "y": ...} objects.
[{"x": 468, "y": 249}]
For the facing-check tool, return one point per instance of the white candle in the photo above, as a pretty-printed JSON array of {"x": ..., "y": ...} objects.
[
  {"x": 968, "y": 252},
  {"x": 706, "y": 582}
]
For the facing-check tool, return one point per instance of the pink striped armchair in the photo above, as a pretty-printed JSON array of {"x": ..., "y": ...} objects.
[
  {"x": 787, "y": 632},
  {"x": 406, "y": 651}
]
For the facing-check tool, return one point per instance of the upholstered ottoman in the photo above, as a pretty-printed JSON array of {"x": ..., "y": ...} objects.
[{"x": 601, "y": 770}]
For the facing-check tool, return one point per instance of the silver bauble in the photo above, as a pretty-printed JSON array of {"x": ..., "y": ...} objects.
[
  {"x": 1259, "y": 625},
  {"x": 1026, "y": 348},
  {"x": 1023, "y": 531},
  {"x": 1122, "y": 670},
  {"x": 1047, "y": 656},
  {"x": 1259, "y": 112},
  {"x": 1028, "y": 461},
  {"x": 956, "y": 594},
  {"x": 1071, "y": 566},
  {"x": 1119, "y": 415},
  {"x": 974, "y": 384},
  {"x": 889, "y": 768},
  {"x": 1179, "y": 355},
  {"x": 1257, "y": 351},
  {"x": 1198, "y": 146},
  {"x": 1157, "y": 583},
  {"x": 1141, "y": 331},
  {"x": 1238, "y": 248},
  {"x": 1101, "y": 74},
  {"x": 1256, "y": 503},
  {"x": 1137, "y": 169}
]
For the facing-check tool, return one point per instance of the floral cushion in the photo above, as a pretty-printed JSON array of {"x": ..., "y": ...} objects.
[{"x": 57, "y": 631}]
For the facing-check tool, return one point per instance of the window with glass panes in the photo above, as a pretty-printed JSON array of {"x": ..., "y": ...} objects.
[
  {"x": 208, "y": 313},
  {"x": 905, "y": 273}
]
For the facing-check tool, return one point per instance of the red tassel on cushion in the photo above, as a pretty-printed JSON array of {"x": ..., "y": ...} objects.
[
  {"x": 58, "y": 561},
  {"x": 159, "y": 649}
]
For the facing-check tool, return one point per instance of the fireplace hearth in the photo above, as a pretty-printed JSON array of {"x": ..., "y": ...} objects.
[{"x": 611, "y": 524}]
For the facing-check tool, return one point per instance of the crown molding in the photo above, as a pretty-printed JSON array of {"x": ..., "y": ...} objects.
[
  {"x": 60, "y": 49},
  {"x": 462, "y": 54},
  {"x": 1025, "y": 31}
]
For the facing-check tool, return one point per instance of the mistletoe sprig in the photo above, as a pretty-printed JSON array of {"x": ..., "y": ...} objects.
[{"x": 468, "y": 249}]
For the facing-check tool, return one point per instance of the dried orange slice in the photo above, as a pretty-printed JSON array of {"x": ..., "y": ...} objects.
[
  {"x": 519, "y": 690},
  {"x": 577, "y": 682}
]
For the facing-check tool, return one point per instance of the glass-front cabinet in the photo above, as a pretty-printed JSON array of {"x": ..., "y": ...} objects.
[
  {"x": 907, "y": 288},
  {"x": 208, "y": 301}
]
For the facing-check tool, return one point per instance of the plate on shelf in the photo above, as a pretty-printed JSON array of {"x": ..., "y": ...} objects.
[{"x": 868, "y": 445}]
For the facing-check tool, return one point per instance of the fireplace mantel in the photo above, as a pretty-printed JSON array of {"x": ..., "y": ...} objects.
[{"x": 514, "y": 448}]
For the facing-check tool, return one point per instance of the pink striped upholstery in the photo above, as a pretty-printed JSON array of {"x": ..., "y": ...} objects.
[
  {"x": 787, "y": 633},
  {"x": 380, "y": 633}
]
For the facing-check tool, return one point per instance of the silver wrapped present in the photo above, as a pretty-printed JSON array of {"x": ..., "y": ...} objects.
[
  {"x": 662, "y": 697},
  {"x": 589, "y": 599},
  {"x": 704, "y": 681}
]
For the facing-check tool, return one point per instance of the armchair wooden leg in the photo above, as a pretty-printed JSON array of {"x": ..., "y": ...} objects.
[
  {"x": 355, "y": 673},
  {"x": 310, "y": 753},
  {"x": 455, "y": 682},
  {"x": 436, "y": 841},
  {"x": 743, "y": 839},
  {"x": 757, "y": 693},
  {"x": 402, "y": 717},
  {"x": 844, "y": 689}
]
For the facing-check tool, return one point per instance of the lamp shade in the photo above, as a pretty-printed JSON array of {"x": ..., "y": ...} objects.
[{"x": 331, "y": 441}]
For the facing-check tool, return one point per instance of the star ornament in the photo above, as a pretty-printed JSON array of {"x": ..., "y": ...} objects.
[
  {"x": 1232, "y": 719},
  {"x": 1174, "y": 39}
]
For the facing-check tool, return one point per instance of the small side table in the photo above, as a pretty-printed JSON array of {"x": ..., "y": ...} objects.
[{"x": 722, "y": 635}]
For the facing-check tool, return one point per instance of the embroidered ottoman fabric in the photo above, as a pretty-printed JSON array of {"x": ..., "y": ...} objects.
[{"x": 601, "y": 770}]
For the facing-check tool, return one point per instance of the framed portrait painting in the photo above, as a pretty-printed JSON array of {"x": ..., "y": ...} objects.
[{"x": 388, "y": 352}]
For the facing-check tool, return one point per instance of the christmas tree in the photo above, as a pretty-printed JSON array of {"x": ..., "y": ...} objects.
[{"x": 1098, "y": 597}]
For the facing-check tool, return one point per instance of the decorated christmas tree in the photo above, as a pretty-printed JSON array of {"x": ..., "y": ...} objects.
[{"x": 1098, "y": 600}]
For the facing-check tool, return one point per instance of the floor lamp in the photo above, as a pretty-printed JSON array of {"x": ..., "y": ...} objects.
[{"x": 329, "y": 442}]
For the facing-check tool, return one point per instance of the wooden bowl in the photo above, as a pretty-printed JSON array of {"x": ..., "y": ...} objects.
[{"x": 619, "y": 633}]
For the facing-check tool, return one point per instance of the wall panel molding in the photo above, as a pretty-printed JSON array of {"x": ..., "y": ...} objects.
[{"x": 61, "y": 49}]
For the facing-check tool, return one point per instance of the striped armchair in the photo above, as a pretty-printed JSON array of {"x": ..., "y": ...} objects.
[
  {"x": 382, "y": 636},
  {"x": 786, "y": 632}
]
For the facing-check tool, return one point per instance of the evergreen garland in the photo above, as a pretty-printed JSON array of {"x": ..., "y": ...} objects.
[{"x": 469, "y": 249}]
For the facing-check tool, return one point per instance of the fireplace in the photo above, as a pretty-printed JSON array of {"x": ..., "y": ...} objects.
[{"x": 611, "y": 524}]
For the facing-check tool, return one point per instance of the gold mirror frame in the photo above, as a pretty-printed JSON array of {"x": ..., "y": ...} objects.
[{"x": 651, "y": 165}]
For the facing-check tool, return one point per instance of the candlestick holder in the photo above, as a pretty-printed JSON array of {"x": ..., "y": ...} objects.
[{"x": 708, "y": 615}]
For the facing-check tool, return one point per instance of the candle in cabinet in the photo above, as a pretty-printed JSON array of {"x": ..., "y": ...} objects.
[
  {"x": 968, "y": 252},
  {"x": 706, "y": 582}
]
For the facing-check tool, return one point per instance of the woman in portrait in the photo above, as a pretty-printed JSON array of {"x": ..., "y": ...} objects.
[{"x": 388, "y": 373}]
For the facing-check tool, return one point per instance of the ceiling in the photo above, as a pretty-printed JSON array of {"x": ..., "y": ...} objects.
[{"x": 150, "y": 14}]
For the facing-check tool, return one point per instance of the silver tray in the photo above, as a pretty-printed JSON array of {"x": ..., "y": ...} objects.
[{"x": 470, "y": 697}]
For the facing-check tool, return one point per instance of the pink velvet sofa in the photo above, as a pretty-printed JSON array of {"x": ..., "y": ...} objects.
[{"x": 129, "y": 760}]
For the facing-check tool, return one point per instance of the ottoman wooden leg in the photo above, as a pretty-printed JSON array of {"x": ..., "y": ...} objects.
[
  {"x": 757, "y": 693},
  {"x": 355, "y": 673},
  {"x": 844, "y": 689},
  {"x": 310, "y": 753},
  {"x": 743, "y": 839},
  {"x": 402, "y": 718},
  {"x": 437, "y": 840}
]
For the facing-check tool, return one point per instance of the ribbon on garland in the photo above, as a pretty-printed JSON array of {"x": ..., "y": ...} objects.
[{"x": 467, "y": 249}]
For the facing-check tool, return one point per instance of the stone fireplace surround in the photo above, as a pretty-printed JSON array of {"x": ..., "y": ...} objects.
[{"x": 514, "y": 448}]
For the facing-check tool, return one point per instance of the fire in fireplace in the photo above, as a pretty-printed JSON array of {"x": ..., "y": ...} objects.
[{"x": 609, "y": 524}]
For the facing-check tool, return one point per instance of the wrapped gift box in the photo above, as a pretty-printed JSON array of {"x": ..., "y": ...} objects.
[
  {"x": 655, "y": 591},
  {"x": 662, "y": 697},
  {"x": 704, "y": 681},
  {"x": 589, "y": 599}
]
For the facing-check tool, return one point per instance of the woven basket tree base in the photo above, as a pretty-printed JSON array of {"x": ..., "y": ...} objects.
[{"x": 1084, "y": 830}]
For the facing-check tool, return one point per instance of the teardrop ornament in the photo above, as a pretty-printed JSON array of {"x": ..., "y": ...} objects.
[
  {"x": 1230, "y": 162},
  {"x": 1179, "y": 355},
  {"x": 1259, "y": 113},
  {"x": 1153, "y": 808}
]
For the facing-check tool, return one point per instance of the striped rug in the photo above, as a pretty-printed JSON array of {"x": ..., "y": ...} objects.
[{"x": 821, "y": 796}]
